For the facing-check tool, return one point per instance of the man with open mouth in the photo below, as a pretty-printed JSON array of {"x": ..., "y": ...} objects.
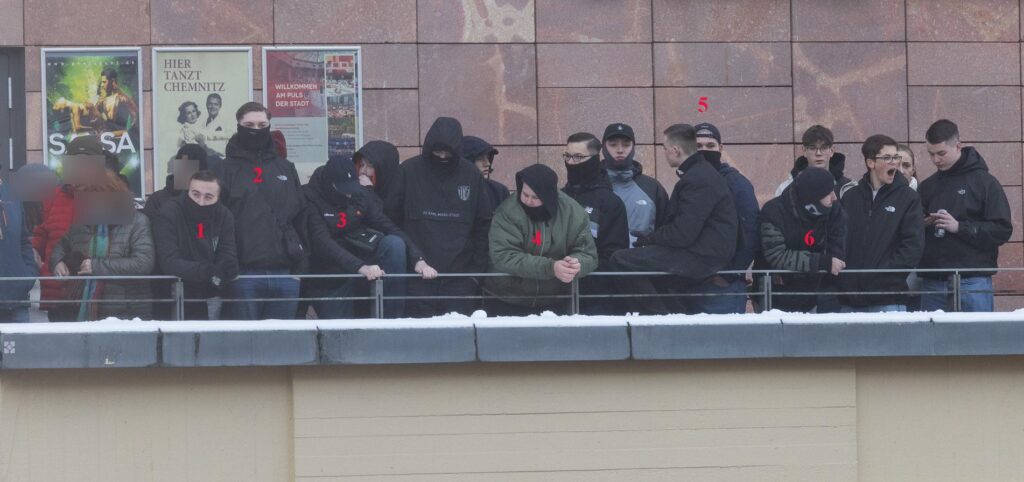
[{"x": 885, "y": 231}]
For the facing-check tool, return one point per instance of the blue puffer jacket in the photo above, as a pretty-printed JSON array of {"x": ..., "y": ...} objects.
[{"x": 16, "y": 257}]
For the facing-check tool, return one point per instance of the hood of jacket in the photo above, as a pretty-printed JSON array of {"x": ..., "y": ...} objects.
[
  {"x": 970, "y": 160},
  {"x": 383, "y": 156},
  {"x": 544, "y": 183},
  {"x": 445, "y": 134}
]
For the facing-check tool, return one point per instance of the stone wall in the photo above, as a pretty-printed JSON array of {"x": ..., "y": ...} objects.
[{"x": 526, "y": 73}]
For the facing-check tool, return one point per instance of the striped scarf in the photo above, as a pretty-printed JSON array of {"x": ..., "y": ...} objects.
[{"x": 98, "y": 247}]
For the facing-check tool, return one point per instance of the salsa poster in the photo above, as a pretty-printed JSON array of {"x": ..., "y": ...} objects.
[
  {"x": 95, "y": 92},
  {"x": 196, "y": 92},
  {"x": 315, "y": 97}
]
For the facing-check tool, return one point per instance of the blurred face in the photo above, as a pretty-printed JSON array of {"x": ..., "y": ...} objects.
[
  {"x": 255, "y": 120},
  {"x": 529, "y": 198},
  {"x": 945, "y": 154},
  {"x": 907, "y": 164},
  {"x": 191, "y": 114},
  {"x": 882, "y": 169},
  {"x": 619, "y": 147},
  {"x": 708, "y": 144},
  {"x": 204, "y": 193},
  {"x": 673, "y": 155},
  {"x": 213, "y": 106},
  {"x": 576, "y": 153},
  {"x": 818, "y": 154},
  {"x": 828, "y": 200}
]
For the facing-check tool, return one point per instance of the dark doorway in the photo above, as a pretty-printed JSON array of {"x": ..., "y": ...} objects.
[{"x": 12, "y": 109}]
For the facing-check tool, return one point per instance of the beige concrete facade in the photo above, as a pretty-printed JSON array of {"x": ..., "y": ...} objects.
[{"x": 905, "y": 419}]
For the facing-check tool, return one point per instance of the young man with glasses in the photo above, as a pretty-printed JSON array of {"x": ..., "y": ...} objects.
[
  {"x": 967, "y": 218},
  {"x": 818, "y": 151},
  {"x": 885, "y": 231}
]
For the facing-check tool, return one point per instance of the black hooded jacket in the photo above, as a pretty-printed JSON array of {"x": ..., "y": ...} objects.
[
  {"x": 196, "y": 260},
  {"x": 445, "y": 206},
  {"x": 383, "y": 156},
  {"x": 607, "y": 213},
  {"x": 792, "y": 240},
  {"x": 836, "y": 166},
  {"x": 977, "y": 201},
  {"x": 886, "y": 232},
  {"x": 472, "y": 148}
]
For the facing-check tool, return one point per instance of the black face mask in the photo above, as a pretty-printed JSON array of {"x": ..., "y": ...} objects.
[
  {"x": 538, "y": 214},
  {"x": 584, "y": 171},
  {"x": 253, "y": 139},
  {"x": 713, "y": 157},
  {"x": 197, "y": 213}
]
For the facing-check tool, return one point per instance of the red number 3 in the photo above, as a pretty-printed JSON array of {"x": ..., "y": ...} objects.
[
  {"x": 259, "y": 174},
  {"x": 344, "y": 220},
  {"x": 703, "y": 103}
]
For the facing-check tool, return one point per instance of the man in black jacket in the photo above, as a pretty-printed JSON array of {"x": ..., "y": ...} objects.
[
  {"x": 647, "y": 203},
  {"x": 588, "y": 183},
  {"x": 446, "y": 213},
  {"x": 804, "y": 229},
  {"x": 379, "y": 174},
  {"x": 273, "y": 227},
  {"x": 699, "y": 235},
  {"x": 885, "y": 231},
  {"x": 967, "y": 218},
  {"x": 373, "y": 245},
  {"x": 195, "y": 241},
  {"x": 481, "y": 153}
]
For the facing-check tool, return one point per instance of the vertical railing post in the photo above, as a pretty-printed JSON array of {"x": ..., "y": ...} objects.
[
  {"x": 179, "y": 299},
  {"x": 767, "y": 291},
  {"x": 378, "y": 293},
  {"x": 575, "y": 309},
  {"x": 956, "y": 291}
]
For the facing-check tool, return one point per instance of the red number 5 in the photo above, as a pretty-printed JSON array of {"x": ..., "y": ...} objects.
[
  {"x": 703, "y": 103},
  {"x": 259, "y": 174}
]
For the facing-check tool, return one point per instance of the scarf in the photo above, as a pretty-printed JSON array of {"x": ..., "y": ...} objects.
[{"x": 93, "y": 290}]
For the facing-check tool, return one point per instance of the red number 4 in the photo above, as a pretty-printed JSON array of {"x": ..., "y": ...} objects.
[
  {"x": 703, "y": 103},
  {"x": 259, "y": 174}
]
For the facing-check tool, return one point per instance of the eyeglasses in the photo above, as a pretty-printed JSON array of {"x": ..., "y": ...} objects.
[
  {"x": 817, "y": 149},
  {"x": 574, "y": 157},
  {"x": 888, "y": 159}
]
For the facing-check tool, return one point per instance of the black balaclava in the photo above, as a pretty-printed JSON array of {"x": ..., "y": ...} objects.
[
  {"x": 254, "y": 139},
  {"x": 810, "y": 187},
  {"x": 584, "y": 172},
  {"x": 199, "y": 214},
  {"x": 445, "y": 134},
  {"x": 544, "y": 183},
  {"x": 713, "y": 157}
]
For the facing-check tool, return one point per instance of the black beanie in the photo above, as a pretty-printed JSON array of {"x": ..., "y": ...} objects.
[
  {"x": 813, "y": 184},
  {"x": 544, "y": 182}
]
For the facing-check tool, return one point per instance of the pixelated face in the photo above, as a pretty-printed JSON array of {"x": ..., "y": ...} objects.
[
  {"x": 945, "y": 154},
  {"x": 529, "y": 198},
  {"x": 94, "y": 208},
  {"x": 255, "y": 120},
  {"x": 182, "y": 169},
  {"x": 83, "y": 169},
  {"x": 708, "y": 144},
  {"x": 34, "y": 186},
  {"x": 818, "y": 154},
  {"x": 619, "y": 147},
  {"x": 884, "y": 166},
  {"x": 204, "y": 193}
]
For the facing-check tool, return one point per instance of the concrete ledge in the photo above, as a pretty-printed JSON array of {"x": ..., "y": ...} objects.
[
  {"x": 79, "y": 350},
  {"x": 857, "y": 339},
  {"x": 388, "y": 343},
  {"x": 698, "y": 342},
  {"x": 533, "y": 341},
  {"x": 240, "y": 348}
]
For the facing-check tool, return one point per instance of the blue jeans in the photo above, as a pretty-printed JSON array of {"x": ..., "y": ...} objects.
[
  {"x": 14, "y": 315},
  {"x": 976, "y": 294},
  {"x": 874, "y": 309},
  {"x": 727, "y": 300},
  {"x": 390, "y": 256},
  {"x": 252, "y": 288}
]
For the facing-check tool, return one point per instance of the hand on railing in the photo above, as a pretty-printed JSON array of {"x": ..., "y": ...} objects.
[
  {"x": 567, "y": 268},
  {"x": 425, "y": 269},
  {"x": 61, "y": 269},
  {"x": 837, "y": 266},
  {"x": 372, "y": 272}
]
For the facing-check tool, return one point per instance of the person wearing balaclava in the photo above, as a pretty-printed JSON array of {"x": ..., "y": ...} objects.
[
  {"x": 274, "y": 234},
  {"x": 377, "y": 163},
  {"x": 481, "y": 153},
  {"x": 804, "y": 230},
  {"x": 542, "y": 238},
  {"x": 195, "y": 241},
  {"x": 356, "y": 222},
  {"x": 446, "y": 212},
  {"x": 646, "y": 201}
]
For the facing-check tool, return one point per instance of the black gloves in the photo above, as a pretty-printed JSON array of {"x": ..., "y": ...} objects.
[{"x": 642, "y": 239}]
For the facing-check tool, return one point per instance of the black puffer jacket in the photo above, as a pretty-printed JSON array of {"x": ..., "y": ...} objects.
[
  {"x": 446, "y": 209},
  {"x": 977, "y": 201},
  {"x": 383, "y": 156},
  {"x": 182, "y": 253},
  {"x": 886, "y": 232}
]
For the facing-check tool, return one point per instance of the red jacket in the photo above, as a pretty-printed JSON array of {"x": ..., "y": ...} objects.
[{"x": 57, "y": 215}]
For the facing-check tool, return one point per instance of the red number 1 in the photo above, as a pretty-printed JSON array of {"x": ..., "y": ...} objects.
[
  {"x": 200, "y": 230},
  {"x": 259, "y": 174},
  {"x": 703, "y": 103},
  {"x": 344, "y": 220}
]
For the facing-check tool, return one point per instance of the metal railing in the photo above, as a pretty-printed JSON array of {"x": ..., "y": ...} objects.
[{"x": 766, "y": 292}]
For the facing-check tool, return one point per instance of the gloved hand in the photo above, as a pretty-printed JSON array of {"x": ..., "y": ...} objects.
[{"x": 642, "y": 239}]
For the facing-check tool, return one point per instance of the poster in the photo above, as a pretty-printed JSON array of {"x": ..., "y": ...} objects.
[
  {"x": 315, "y": 97},
  {"x": 94, "y": 92},
  {"x": 196, "y": 92}
]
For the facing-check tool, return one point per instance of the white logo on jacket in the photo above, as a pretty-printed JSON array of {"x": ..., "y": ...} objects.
[
  {"x": 890, "y": 209},
  {"x": 962, "y": 191},
  {"x": 464, "y": 193},
  {"x": 282, "y": 177}
]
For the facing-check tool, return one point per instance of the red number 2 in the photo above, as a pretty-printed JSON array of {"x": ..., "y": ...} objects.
[
  {"x": 344, "y": 220},
  {"x": 259, "y": 174},
  {"x": 703, "y": 103},
  {"x": 200, "y": 230}
]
